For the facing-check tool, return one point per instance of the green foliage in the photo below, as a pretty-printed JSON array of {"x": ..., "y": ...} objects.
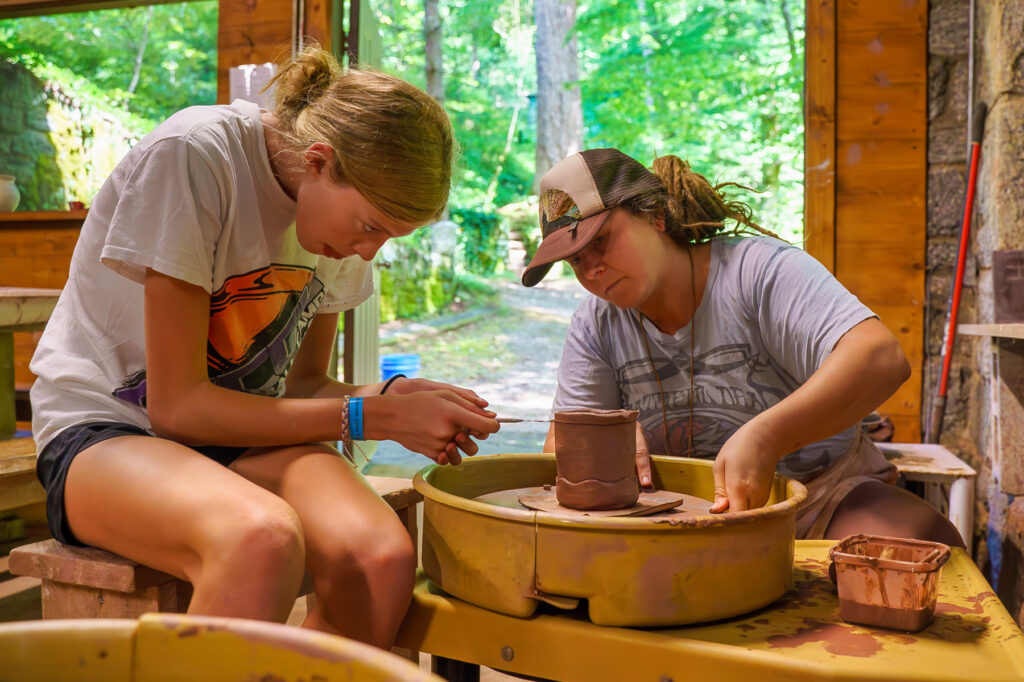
[
  {"x": 489, "y": 72},
  {"x": 482, "y": 242},
  {"x": 520, "y": 221},
  {"x": 717, "y": 82},
  {"x": 418, "y": 274},
  {"x": 177, "y": 44}
]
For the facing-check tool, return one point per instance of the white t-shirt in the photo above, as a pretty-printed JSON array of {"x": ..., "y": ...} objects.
[
  {"x": 196, "y": 200},
  {"x": 769, "y": 317}
]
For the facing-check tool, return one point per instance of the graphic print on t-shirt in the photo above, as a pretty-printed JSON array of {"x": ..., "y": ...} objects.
[
  {"x": 732, "y": 385},
  {"x": 257, "y": 322}
]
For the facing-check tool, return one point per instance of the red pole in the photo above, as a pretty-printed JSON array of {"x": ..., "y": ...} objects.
[{"x": 948, "y": 340}]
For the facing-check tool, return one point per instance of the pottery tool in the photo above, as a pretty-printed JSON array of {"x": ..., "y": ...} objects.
[{"x": 518, "y": 420}]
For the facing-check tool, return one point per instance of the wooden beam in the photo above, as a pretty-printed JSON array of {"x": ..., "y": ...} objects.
[
  {"x": 10, "y": 9},
  {"x": 820, "y": 132},
  {"x": 881, "y": 172}
]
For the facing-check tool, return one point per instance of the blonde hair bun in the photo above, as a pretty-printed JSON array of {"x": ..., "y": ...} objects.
[
  {"x": 392, "y": 142},
  {"x": 303, "y": 80}
]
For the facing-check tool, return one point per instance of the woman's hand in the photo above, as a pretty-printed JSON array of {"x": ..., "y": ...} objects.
[
  {"x": 435, "y": 423},
  {"x": 744, "y": 469},
  {"x": 643, "y": 459}
]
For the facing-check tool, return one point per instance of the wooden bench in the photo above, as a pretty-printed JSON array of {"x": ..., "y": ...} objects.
[
  {"x": 935, "y": 466},
  {"x": 18, "y": 484},
  {"x": 82, "y": 582}
]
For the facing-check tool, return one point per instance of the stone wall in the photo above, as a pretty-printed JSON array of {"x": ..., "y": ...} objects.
[
  {"x": 984, "y": 421},
  {"x": 26, "y": 149},
  {"x": 59, "y": 144}
]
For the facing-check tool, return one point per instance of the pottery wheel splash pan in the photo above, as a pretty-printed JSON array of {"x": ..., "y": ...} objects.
[{"x": 672, "y": 568}]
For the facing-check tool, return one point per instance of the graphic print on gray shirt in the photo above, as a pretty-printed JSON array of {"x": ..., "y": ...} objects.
[{"x": 769, "y": 317}]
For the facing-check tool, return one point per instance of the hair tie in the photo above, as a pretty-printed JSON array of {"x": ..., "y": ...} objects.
[{"x": 390, "y": 381}]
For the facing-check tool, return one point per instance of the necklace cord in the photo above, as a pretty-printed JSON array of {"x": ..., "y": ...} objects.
[{"x": 654, "y": 369}]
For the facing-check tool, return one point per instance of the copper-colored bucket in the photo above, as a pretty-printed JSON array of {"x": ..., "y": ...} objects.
[{"x": 648, "y": 571}]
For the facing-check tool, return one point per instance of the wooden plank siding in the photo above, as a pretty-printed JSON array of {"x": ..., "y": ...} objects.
[
  {"x": 260, "y": 31},
  {"x": 820, "y": 132},
  {"x": 881, "y": 134},
  {"x": 35, "y": 252}
]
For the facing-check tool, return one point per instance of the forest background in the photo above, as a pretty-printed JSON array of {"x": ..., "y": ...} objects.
[{"x": 526, "y": 82}]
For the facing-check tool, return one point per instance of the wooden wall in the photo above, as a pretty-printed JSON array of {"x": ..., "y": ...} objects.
[
  {"x": 35, "y": 251},
  {"x": 260, "y": 31},
  {"x": 866, "y": 166}
]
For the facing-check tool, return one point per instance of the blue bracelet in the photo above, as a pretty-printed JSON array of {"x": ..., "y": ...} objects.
[{"x": 355, "y": 418}]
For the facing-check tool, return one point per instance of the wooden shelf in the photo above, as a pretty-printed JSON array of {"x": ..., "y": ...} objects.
[
  {"x": 1006, "y": 331},
  {"x": 43, "y": 216},
  {"x": 43, "y": 220}
]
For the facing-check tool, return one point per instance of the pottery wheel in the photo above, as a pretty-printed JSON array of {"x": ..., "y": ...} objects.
[{"x": 543, "y": 498}]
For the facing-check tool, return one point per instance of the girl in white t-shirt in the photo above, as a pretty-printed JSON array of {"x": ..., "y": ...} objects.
[{"x": 183, "y": 405}]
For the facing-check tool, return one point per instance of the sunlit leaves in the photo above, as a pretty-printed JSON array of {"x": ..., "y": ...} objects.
[{"x": 179, "y": 62}]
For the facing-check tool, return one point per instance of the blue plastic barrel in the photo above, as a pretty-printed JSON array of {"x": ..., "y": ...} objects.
[{"x": 399, "y": 363}]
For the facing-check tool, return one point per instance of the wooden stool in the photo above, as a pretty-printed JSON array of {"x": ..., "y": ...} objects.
[{"x": 84, "y": 582}]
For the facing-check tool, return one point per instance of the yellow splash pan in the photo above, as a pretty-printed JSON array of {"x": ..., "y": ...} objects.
[{"x": 646, "y": 571}]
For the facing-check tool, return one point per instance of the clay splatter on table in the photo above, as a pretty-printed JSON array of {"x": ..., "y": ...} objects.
[{"x": 839, "y": 639}]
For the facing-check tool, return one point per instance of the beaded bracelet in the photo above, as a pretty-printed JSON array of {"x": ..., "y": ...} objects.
[
  {"x": 355, "y": 418},
  {"x": 390, "y": 381},
  {"x": 344, "y": 421}
]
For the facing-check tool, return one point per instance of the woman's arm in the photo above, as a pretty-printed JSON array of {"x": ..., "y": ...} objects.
[
  {"x": 185, "y": 406},
  {"x": 866, "y": 366}
]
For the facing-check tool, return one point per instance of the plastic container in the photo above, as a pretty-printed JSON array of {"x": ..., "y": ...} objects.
[
  {"x": 399, "y": 363},
  {"x": 888, "y": 582}
]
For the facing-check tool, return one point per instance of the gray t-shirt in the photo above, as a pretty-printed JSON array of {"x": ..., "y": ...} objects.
[{"x": 769, "y": 317}]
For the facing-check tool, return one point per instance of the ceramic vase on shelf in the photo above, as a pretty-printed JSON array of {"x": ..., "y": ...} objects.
[{"x": 9, "y": 194}]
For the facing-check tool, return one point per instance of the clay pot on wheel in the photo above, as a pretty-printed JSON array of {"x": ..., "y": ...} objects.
[
  {"x": 9, "y": 194},
  {"x": 595, "y": 454}
]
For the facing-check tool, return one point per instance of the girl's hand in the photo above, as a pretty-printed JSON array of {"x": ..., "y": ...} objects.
[
  {"x": 435, "y": 423},
  {"x": 405, "y": 386},
  {"x": 744, "y": 469},
  {"x": 461, "y": 441},
  {"x": 643, "y": 459}
]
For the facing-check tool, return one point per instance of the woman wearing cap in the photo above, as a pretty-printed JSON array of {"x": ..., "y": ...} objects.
[{"x": 741, "y": 349}]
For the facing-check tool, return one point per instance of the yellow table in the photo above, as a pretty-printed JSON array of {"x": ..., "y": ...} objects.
[{"x": 799, "y": 637}]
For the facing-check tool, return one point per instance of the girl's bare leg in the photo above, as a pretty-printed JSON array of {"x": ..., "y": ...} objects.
[
  {"x": 167, "y": 506},
  {"x": 879, "y": 509},
  {"x": 358, "y": 553}
]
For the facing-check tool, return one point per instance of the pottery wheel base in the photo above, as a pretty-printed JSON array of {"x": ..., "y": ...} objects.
[{"x": 543, "y": 498}]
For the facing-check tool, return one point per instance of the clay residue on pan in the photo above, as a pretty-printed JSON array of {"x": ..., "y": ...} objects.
[{"x": 505, "y": 498}]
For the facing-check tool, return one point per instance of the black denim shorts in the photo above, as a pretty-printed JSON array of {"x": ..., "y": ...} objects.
[{"x": 55, "y": 460}]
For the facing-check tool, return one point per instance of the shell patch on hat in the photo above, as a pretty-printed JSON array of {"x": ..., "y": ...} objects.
[{"x": 557, "y": 210}]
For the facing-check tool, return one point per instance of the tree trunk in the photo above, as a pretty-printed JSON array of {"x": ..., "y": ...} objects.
[
  {"x": 141, "y": 51},
  {"x": 432, "y": 44},
  {"x": 559, "y": 105}
]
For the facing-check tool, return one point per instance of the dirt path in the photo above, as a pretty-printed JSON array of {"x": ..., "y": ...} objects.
[{"x": 509, "y": 358}]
